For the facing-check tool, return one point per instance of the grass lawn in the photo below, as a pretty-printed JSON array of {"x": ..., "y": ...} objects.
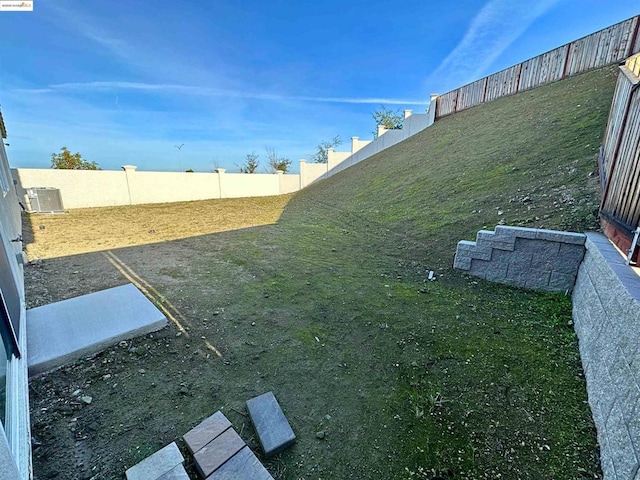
[{"x": 323, "y": 298}]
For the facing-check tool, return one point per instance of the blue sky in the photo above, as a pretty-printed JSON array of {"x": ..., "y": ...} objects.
[{"x": 123, "y": 82}]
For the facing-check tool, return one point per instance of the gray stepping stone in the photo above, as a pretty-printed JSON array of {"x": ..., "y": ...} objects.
[
  {"x": 64, "y": 331},
  {"x": 242, "y": 466},
  {"x": 273, "y": 429},
  {"x": 178, "y": 473},
  {"x": 156, "y": 465},
  {"x": 215, "y": 453},
  {"x": 209, "y": 429}
]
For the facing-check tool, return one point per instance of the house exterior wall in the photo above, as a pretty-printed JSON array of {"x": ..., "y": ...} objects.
[{"x": 15, "y": 436}]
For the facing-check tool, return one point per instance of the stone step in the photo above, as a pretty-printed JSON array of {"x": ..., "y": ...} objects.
[
  {"x": 215, "y": 453},
  {"x": 206, "y": 431},
  {"x": 244, "y": 465},
  {"x": 273, "y": 429},
  {"x": 156, "y": 466}
]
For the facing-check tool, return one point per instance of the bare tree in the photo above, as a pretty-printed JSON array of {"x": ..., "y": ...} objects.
[
  {"x": 388, "y": 119},
  {"x": 321, "y": 155},
  {"x": 276, "y": 162}
]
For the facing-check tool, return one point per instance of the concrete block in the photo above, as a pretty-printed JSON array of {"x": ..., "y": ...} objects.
[
  {"x": 606, "y": 345},
  {"x": 484, "y": 235},
  {"x": 568, "y": 266},
  {"x": 520, "y": 258},
  {"x": 561, "y": 282},
  {"x": 177, "y": 473},
  {"x": 495, "y": 272},
  {"x": 214, "y": 454},
  {"x": 156, "y": 465},
  {"x": 505, "y": 232},
  {"x": 561, "y": 237},
  {"x": 627, "y": 328},
  {"x": 620, "y": 444},
  {"x": 633, "y": 424},
  {"x": 621, "y": 375},
  {"x": 242, "y": 466},
  {"x": 634, "y": 364},
  {"x": 486, "y": 239},
  {"x": 462, "y": 263},
  {"x": 206, "y": 431},
  {"x": 65, "y": 331},
  {"x": 470, "y": 249},
  {"x": 539, "y": 248},
  {"x": 273, "y": 429},
  {"x": 572, "y": 251},
  {"x": 517, "y": 275},
  {"x": 599, "y": 388},
  {"x": 479, "y": 268},
  {"x": 608, "y": 470},
  {"x": 538, "y": 279}
]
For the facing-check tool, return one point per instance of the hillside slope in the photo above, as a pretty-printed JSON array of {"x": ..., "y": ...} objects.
[
  {"x": 526, "y": 160},
  {"x": 382, "y": 373}
]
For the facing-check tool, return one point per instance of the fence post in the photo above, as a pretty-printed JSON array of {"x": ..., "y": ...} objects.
[
  {"x": 127, "y": 169},
  {"x": 433, "y": 106},
  {"x": 220, "y": 172}
]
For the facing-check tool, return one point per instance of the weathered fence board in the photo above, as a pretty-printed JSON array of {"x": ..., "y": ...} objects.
[
  {"x": 503, "y": 83},
  {"x": 446, "y": 104},
  {"x": 620, "y": 207},
  {"x": 472, "y": 94},
  {"x": 542, "y": 69},
  {"x": 616, "y": 118},
  {"x": 605, "y": 47},
  {"x": 625, "y": 172}
]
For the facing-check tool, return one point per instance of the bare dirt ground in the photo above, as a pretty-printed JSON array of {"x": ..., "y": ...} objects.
[{"x": 84, "y": 251}]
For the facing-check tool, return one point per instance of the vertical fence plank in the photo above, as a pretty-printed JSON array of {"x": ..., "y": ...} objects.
[
  {"x": 621, "y": 152},
  {"x": 601, "y": 48}
]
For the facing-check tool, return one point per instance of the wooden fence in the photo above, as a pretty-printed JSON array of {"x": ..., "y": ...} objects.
[
  {"x": 605, "y": 47},
  {"x": 620, "y": 158}
]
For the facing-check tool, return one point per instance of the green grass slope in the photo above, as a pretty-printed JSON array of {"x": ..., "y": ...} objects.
[
  {"x": 454, "y": 377},
  {"x": 531, "y": 156}
]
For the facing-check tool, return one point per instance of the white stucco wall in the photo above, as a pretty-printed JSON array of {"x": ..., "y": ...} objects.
[{"x": 103, "y": 188}]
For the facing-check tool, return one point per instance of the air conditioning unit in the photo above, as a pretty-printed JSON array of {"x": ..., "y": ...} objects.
[{"x": 45, "y": 200}]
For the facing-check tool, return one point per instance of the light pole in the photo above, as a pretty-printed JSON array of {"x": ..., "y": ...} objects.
[{"x": 180, "y": 154}]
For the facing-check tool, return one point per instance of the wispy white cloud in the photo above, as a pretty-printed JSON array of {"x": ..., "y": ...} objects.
[
  {"x": 85, "y": 27},
  {"x": 211, "y": 92},
  {"x": 498, "y": 24}
]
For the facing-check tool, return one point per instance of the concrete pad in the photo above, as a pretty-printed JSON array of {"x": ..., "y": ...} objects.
[
  {"x": 273, "y": 429},
  {"x": 244, "y": 465},
  {"x": 64, "y": 331},
  {"x": 209, "y": 429},
  {"x": 214, "y": 454},
  {"x": 156, "y": 465}
]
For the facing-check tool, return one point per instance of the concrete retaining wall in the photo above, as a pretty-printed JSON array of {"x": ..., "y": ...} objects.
[
  {"x": 606, "y": 316},
  {"x": 524, "y": 257}
]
